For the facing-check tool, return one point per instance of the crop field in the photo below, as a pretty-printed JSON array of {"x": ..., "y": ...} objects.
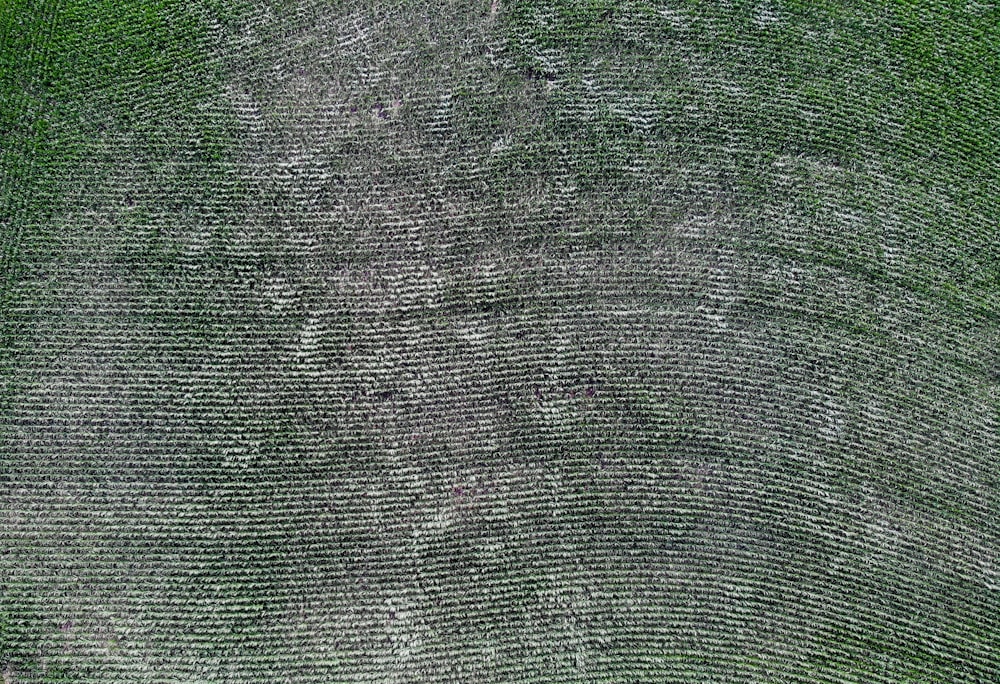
[{"x": 499, "y": 341}]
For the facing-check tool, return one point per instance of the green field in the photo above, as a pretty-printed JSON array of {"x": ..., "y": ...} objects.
[{"x": 568, "y": 341}]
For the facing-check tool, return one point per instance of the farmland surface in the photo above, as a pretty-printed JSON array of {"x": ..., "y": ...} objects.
[{"x": 472, "y": 341}]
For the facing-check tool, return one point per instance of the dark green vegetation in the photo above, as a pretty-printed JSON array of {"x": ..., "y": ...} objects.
[{"x": 553, "y": 341}]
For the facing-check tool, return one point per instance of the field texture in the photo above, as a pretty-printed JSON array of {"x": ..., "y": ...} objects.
[{"x": 495, "y": 341}]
